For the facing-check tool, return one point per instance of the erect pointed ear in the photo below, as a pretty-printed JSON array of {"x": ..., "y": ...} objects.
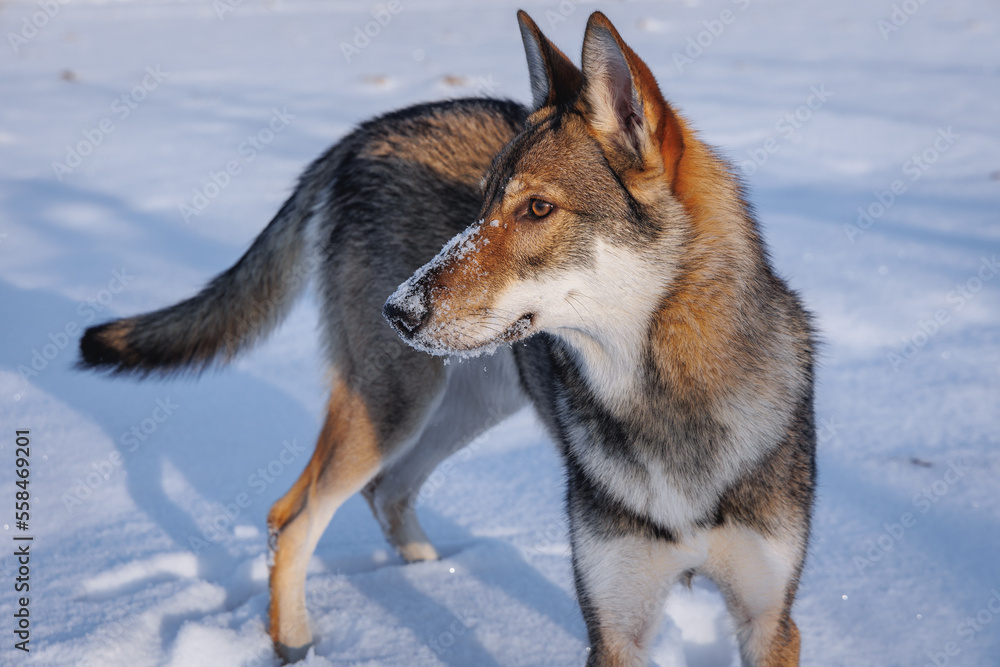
[
  {"x": 624, "y": 106},
  {"x": 554, "y": 77}
]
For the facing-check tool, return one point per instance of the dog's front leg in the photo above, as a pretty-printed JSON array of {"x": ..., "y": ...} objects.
[{"x": 623, "y": 572}]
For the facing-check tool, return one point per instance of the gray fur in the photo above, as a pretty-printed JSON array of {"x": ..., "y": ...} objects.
[
  {"x": 660, "y": 461},
  {"x": 693, "y": 449},
  {"x": 536, "y": 68},
  {"x": 237, "y": 309}
]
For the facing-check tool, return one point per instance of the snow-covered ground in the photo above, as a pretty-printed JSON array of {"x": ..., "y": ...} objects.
[{"x": 139, "y": 556}]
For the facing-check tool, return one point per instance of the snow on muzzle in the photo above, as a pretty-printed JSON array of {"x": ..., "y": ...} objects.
[
  {"x": 406, "y": 310},
  {"x": 446, "y": 307}
]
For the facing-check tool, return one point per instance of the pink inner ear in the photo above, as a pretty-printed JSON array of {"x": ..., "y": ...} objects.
[
  {"x": 619, "y": 80},
  {"x": 623, "y": 101},
  {"x": 619, "y": 83},
  {"x": 627, "y": 115}
]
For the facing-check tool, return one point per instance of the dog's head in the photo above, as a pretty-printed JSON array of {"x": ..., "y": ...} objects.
[{"x": 583, "y": 216}]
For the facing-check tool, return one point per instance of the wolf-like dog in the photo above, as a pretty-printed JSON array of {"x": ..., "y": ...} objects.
[{"x": 617, "y": 275}]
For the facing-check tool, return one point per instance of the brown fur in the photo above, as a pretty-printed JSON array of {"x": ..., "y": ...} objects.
[
  {"x": 462, "y": 160},
  {"x": 668, "y": 131},
  {"x": 695, "y": 324},
  {"x": 785, "y": 649},
  {"x": 674, "y": 371},
  {"x": 346, "y": 457},
  {"x": 679, "y": 388}
]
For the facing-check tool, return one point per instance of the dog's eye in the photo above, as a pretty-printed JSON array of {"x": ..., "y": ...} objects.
[{"x": 540, "y": 208}]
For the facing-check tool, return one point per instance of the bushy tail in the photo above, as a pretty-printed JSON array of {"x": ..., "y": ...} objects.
[{"x": 234, "y": 311}]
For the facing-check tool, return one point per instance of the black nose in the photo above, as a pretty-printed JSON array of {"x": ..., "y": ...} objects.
[{"x": 405, "y": 322}]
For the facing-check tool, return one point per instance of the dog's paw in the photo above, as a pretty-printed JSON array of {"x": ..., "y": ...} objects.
[
  {"x": 415, "y": 552},
  {"x": 290, "y": 654}
]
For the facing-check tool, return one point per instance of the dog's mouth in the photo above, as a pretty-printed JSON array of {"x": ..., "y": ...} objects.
[
  {"x": 466, "y": 340},
  {"x": 519, "y": 330},
  {"x": 453, "y": 338}
]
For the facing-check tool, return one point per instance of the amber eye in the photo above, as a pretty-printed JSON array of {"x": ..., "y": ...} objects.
[{"x": 540, "y": 208}]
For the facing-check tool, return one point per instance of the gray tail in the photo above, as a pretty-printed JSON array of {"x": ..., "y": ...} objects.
[{"x": 234, "y": 311}]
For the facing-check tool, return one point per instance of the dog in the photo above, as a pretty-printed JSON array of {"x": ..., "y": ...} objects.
[{"x": 615, "y": 278}]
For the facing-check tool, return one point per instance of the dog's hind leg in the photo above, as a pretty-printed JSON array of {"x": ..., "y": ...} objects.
[
  {"x": 346, "y": 457},
  {"x": 479, "y": 394},
  {"x": 356, "y": 440}
]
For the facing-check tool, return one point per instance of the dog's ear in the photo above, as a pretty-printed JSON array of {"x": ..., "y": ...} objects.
[
  {"x": 554, "y": 77},
  {"x": 624, "y": 106}
]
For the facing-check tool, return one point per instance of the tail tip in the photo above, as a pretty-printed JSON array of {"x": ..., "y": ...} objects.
[{"x": 103, "y": 347}]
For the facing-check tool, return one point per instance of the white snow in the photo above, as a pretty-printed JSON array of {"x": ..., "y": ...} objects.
[{"x": 142, "y": 553}]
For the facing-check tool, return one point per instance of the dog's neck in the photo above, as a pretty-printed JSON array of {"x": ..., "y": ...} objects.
[
  {"x": 614, "y": 313},
  {"x": 662, "y": 324}
]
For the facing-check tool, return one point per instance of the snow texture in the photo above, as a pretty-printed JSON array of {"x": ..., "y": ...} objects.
[
  {"x": 409, "y": 297},
  {"x": 867, "y": 134}
]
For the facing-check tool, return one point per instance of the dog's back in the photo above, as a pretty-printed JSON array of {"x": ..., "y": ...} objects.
[{"x": 367, "y": 213}]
